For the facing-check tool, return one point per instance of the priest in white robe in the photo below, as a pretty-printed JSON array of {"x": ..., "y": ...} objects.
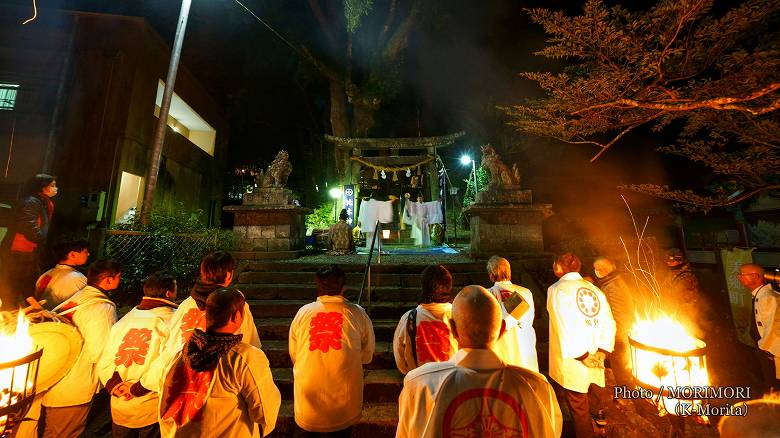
[
  {"x": 419, "y": 215},
  {"x": 372, "y": 211}
]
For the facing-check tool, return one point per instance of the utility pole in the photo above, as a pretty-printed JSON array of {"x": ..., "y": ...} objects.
[{"x": 162, "y": 121}]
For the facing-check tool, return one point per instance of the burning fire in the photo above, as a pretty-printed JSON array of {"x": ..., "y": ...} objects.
[
  {"x": 16, "y": 343},
  {"x": 664, "y": 355}
]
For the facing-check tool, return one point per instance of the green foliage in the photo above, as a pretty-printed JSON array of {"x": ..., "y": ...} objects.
[
  {"x": 483, "y": 179},
  {"x": 710, "y": 77},
  {"x": 173, "y": 240},
  {"x": 354, "y": 11},
  {"x": 321, "y": 217}
]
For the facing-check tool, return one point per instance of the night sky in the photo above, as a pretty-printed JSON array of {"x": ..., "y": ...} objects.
[{"x": 462, "y": 61}]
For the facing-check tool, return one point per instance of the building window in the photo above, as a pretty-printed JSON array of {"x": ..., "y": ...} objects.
[
  {"x": 8, "y": 96},
  {"x": 186, "y": 122}
]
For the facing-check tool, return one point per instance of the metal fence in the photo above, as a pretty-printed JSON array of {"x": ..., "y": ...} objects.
[{"x": 141, "y": 254}]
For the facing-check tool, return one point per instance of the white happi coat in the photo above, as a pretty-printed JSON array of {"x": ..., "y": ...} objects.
[
  {"x": 187, "y": 318},
  {"x": 517, "y": 345},
  {"x": 58, "y": 284},
  {"x": 237, "y": 399},
  {"x": 433, "y": 338},
  {"x": 475, "y": 394},
  {"x": 93, "y": 314},
  {"x": 580, "y": 322},
  {"x": 135, "y": 342},
  {"x": 330, "y": 339},
  {"x": 768, "y": 322}
]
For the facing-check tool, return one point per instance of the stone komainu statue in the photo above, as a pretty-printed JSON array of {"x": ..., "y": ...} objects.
[
  {"x": 499, "y": 172},
  {"x": 277, "y": 173}
]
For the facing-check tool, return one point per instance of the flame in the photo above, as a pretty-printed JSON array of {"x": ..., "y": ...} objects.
[
  {"x": 659, "y": 370},
  {"x": 664, "y": 332},
  {"x": 16, "y": 344}
]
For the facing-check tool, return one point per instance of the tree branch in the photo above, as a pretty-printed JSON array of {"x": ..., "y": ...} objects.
[
  {"x": 388, "y": 22},
  {"x": 701, "y": 202},
  {"x": 680, "y": 25},
  {"x": 614, "y": 140},
  {"x": 718, "y": 103},
  {"x": 400, "y": 37},
  {"x": 326, "y": 70},
  {"x": 323, "y": 22}
]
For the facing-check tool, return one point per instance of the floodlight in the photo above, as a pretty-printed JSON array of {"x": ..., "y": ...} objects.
[
  {"x": 335, "y": 192},
  {"x": 465, "y": 160}
]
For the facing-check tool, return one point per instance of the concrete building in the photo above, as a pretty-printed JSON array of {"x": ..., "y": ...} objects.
[{"x": 79, "y": 94}]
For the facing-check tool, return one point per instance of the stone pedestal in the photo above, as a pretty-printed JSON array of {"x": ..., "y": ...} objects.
[
  {"x": 269, "y": 223},
  {"x": 503, "y": 195},
  {"x": 504, "y": 221},
  {"x": 270, "y": 197}
]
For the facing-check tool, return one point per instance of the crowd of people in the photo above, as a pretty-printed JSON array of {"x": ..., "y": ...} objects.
[{"x": 197, "y": 368}]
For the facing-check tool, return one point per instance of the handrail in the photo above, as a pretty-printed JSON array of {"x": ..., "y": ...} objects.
[{"x": 367, "y": 271}]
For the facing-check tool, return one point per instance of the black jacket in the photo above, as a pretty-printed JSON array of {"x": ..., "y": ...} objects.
[{"x": 28, "y": 213}]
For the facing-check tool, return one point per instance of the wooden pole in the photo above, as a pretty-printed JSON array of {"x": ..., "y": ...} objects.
[{"x": 162, "y": 120}]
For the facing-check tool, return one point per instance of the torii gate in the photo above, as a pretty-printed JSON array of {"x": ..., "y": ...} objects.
[{"x": 352, "y": 154}]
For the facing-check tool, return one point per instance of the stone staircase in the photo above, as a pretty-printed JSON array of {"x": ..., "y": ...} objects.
[{"x": 276, "y": 290}]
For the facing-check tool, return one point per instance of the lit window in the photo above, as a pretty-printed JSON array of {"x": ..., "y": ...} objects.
[
  {"x": 8, "y": 96},
  {"x": 186, "y": 122}
]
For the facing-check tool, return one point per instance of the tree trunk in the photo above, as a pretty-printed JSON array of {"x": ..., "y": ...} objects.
[
  {"x": 364, "y": 120},
  {"x": 339, "y": 122},
  {"x": 339, "y": 119}
]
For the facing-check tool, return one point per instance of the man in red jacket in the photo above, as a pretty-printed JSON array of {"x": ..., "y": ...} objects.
[{"x": 24, "y": 240}]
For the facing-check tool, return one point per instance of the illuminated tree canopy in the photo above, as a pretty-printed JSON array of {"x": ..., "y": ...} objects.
[{"x": 711, "y": 77}]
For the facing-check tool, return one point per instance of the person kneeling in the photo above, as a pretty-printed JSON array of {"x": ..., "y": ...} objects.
[{"x": 218, "y": 385}]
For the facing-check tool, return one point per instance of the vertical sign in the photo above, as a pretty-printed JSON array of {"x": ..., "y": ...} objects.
[
  {"x": 349, "y": 203},
  {"x": 739, "y": 297},
  {"x": 443, "y": 197}
]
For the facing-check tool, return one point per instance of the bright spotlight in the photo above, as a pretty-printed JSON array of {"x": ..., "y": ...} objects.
[
  {"x": 465, "y": 160},
  {"x": 335, "y": 192}
]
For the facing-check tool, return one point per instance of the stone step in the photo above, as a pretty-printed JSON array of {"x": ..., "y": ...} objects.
[
  {"x": 279, "y": 328},
  {"x": 262, "y": 309},
  {"x": 379, "y": 386},
  {"x": 379, "y": 420},
  {"x": 279, "y": 356},
  {"x": 269, "y": 266},
  {"x": 354, "y": 279}
]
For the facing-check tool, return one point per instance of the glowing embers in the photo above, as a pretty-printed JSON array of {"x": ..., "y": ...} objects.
[
  {"x": 18, "y": 372},
  {"x": 669, "y": 361}
]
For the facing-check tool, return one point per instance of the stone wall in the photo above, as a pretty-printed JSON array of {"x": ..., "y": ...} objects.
[
  {"x": 269, "y": 229},
  {"x": 506, "y": 229}
]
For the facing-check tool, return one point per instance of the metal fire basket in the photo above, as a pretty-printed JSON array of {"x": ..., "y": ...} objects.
[
  {"x": 659, "y": 369},
  {"x": 16, "y": 398}
]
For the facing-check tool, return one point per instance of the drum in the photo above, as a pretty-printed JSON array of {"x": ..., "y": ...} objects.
[{"x": 61, "y": 344}]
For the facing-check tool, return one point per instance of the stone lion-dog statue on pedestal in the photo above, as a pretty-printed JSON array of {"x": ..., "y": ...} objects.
[
  {"x": 277, "y": 173},
  {"x": 500, "y": 175}
]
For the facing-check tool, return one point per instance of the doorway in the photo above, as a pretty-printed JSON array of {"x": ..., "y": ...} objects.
[{"x": 130, "y": 196}]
